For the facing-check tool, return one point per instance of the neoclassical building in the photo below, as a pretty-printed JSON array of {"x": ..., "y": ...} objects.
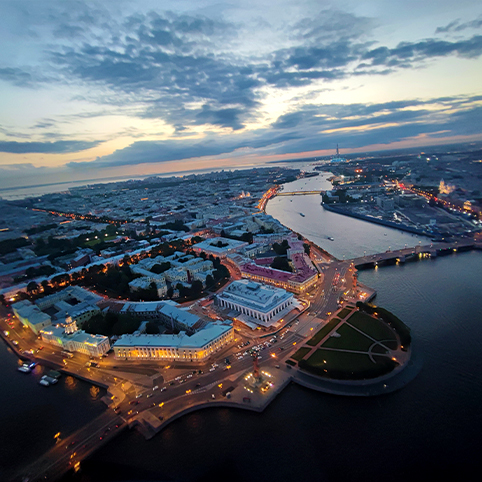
[
  {"x": 261, "y": 304},
  {"x": 197, "y": 347}
]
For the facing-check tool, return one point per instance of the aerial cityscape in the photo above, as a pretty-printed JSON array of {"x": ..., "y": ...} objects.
[{"x": 240, "y": 242}]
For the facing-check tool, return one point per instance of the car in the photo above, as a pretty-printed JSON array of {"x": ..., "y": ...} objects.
[
  {"x": 139, "y": 395},
  {"x": 212, "y": 369},
  {"x": 149, "y": 395},
  {"x": 156, "y": 387},
  {"x": 15, "y": 342},
  {"x": 163, "y": 389}
]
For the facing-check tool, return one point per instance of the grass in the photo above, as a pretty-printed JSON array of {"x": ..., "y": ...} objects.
[
  {"x": 343, "y": 313},
  {"x": 350, "y": 339},
  {"x": 93, "y": 242},
  {"x": 346, "y": 366},
  {"x": 371, "y": 326},
  {"x": 333, "y": 323},
  {"x": 300, "y": 353}
]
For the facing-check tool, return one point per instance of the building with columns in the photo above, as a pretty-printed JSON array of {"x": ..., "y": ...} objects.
[
  {"x": 256, "y": 303},
  {"x": 183, "y": 348}
]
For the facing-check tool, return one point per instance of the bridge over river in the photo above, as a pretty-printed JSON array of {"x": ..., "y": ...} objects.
[
  {"x": 297, "y": 193},
  {"x": 406, "y": 254}
]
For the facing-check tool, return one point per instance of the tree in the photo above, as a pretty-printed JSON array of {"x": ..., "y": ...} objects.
[
  {"x": 32, "y": 287},
  {"x": 209, "y": 280},
  {"x": 196, "y": 287}
]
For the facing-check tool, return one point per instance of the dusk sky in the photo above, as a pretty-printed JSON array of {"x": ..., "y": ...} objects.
[{"x": 98, "y": 89}]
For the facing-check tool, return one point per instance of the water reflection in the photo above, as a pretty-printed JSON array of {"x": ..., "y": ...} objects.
[
  {"x": 71, "y": 383},
  {"x": 94, "y": 392}
]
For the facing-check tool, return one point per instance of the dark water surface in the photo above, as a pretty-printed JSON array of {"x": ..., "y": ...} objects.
[{"x": 31, "y": 415}]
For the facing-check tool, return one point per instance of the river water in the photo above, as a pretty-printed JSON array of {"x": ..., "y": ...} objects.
[
  {"x": 430, "y": 430},
  {"x": 31, "y": 415}
]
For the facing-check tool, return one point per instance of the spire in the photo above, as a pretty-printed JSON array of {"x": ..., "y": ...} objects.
[{"x": 337, "y": 152}]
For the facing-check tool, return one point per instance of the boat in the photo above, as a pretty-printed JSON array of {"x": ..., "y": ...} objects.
[
  {"x": 54, "y": 374},
  {"x": 330, "y": 238},
  {"x": 24, "y": 369},
  {"x": 44, "y": 383},
  {"x": 49, "y": 380},
  {"x": 301, "y": 214}
]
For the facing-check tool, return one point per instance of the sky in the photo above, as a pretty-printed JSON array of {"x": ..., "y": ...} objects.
[{"x": 90, "y": 90}]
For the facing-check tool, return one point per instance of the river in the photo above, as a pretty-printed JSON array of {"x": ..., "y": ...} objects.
[
  {"x": 31, "y": 415},
  {"x": 428, "y": 431}
]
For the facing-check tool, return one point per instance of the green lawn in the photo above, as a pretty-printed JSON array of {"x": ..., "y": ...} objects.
[
  {"x": 350, "y": 339},
  {"x": 300, "y": 353},
  {"x": 323, "y": 332},
  {"x": 346, "y": 366},
  {"x": 377, "y": 329},
  {"x": 344, "y": 312}
]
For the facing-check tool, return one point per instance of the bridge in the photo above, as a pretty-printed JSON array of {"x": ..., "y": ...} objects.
[
  {"x": 297, "y": 193},
  {"x": 406, "y": 254}
]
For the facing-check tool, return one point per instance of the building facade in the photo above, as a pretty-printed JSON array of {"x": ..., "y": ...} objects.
[
  {"x": 263, "y": 304},
  {"x": 197, "y": 347}
]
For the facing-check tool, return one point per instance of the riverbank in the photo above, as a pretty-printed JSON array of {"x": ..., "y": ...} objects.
[{"x": 371, "y": 219}]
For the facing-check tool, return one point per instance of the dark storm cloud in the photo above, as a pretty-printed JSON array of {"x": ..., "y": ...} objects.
[{"x": 57, "y": 147}]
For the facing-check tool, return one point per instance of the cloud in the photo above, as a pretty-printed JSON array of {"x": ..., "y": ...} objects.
[
  {"x": 57, "y": 147},
  {"x": 457, "y": 26},
  {"x": 312, "y": 128},
  {"x": 408, "y": 53},
  {"x": 16, "y": 76}
]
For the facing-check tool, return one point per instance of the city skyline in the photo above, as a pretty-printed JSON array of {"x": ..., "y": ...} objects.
[{"x": 101, "y": 89}]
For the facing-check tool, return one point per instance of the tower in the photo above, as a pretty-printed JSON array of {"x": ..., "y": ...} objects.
[
  {"x": 70, "y": 325},
  {"x": 256, "y": 367},
  {"x": 337, "y": 151}
]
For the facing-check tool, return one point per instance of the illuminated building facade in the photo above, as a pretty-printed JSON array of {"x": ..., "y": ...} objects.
[{"x": 197, "y": 347}]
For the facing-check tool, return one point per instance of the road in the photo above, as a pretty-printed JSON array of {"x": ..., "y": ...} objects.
[{"x": 187, "y": 386}]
